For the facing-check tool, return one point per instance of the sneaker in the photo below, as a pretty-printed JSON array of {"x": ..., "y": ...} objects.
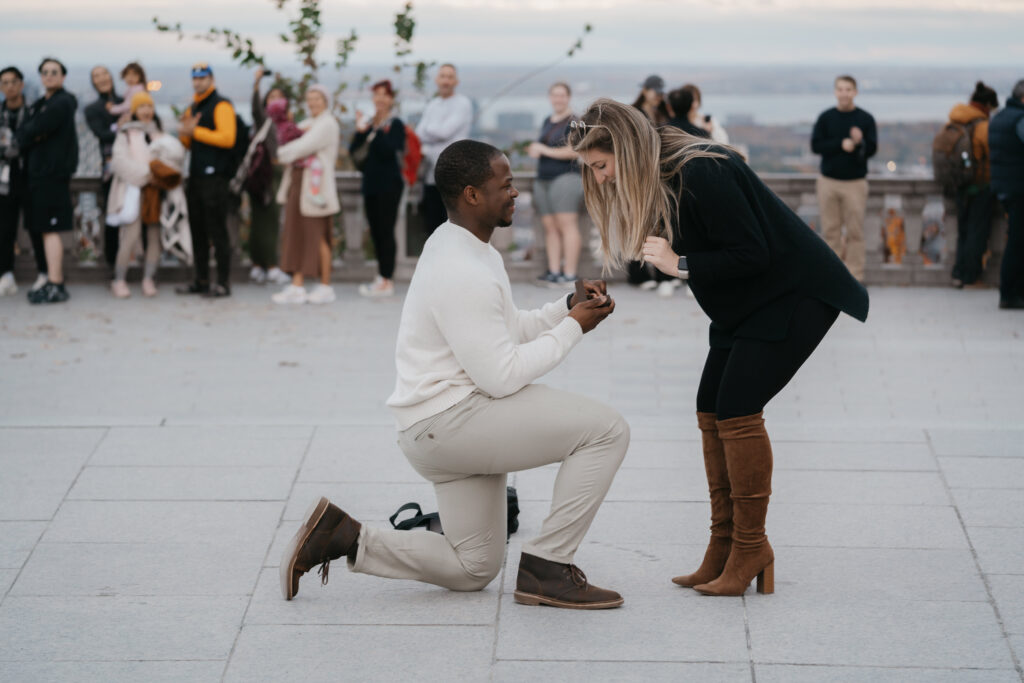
[
  {"x": 49, "y": 293},
  {"x": 666, "y": 289},
  {"x": 292, "y": 294},
  {"x": 7, "y": 284},
  {"x": 41, "y": 280},
  {"x": 217, "y": 291},
  {"x": 258, "y": 275},
  {"x": 194, "y": 288},
  {"x": 648, "y": 285},
  {"x": 321, "y": 294},
  {"x": 148, "y": 287},
  {"x": 379, "y": 287},
  {"x": 278, "y": 277},
  {"x": 119, "y": 288},
  {"x": 548, "y": 279},
  {"x": 566, "y": 281}
]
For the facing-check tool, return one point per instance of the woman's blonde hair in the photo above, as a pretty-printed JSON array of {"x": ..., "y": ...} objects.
[{"x": 642, "y": 201}]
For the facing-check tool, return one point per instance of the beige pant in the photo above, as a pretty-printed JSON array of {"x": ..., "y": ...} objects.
[
  {"x": 466, "y": 452},
  {"x": 843, "y": 202},
  {"x": 131, "y": 235}
]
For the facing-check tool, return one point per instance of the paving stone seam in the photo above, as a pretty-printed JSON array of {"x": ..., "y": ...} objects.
[
  {"x": 266, "y": 554},
  {"x": 63, "y": 499},
  {"x": 977, "y": 562}
]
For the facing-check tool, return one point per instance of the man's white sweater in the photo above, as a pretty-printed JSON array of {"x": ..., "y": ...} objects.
[{"x": 461, "y": 331}]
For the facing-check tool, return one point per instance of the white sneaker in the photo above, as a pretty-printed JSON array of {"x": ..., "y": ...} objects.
[
  {"x": 258, "y": 275},
  {"x": 379, "y": 287},
  {"x": 278, "y": 276},
  {"x": 40, "y": 282},
  {"x": 291, "y": 295},
  {"x": 666, "y": 288},
  {"x": 7, "y": 284},
  {"x": 321, "y": 294},
  {"x": 648, "y": 285}
]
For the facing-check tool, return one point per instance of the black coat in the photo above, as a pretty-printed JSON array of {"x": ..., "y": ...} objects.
[
  {"x": 751, "y": 259},
  {"x": 48, "y": 138},
  {"x": 101, "y": 122},
  {"x": 1006, "y": 150},
  {"x": 381, "y": 172}
]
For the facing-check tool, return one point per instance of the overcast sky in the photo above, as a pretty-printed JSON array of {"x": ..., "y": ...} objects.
[{"x": 913, "y": 32}]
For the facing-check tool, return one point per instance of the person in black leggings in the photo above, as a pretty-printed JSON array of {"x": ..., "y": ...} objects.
[
  {"x": 772, "y": 288},
  {"x": 377, "y": 144}
]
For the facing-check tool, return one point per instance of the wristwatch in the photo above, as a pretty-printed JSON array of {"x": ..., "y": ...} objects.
[{"x": 684, "y": 270}]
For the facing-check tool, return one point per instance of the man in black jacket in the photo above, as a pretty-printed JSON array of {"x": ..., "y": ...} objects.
[
  {"x": 13, "y": 113},
  {"x": 208, "y": 128},
  {"x": 846, "y": 137},
  {"x": 50, "y": 141},
  {"x": 103, "y": 125},
  {"x": 1006, "y": 149}
]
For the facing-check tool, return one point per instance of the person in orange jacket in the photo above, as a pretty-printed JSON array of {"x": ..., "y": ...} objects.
[
  {"x": 208, "y": 128},
  {"x": 975, "y": 202}
]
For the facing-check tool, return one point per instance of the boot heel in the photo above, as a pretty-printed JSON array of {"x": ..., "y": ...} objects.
[
  {"x": 766, "y": 579},
  {"x": 525, "y": 598}
]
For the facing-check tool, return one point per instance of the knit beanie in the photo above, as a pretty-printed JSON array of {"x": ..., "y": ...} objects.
[{"x": 141, "y": 98}]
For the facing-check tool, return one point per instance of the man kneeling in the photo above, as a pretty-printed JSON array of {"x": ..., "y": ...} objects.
[{"x": 468, "y": 414}]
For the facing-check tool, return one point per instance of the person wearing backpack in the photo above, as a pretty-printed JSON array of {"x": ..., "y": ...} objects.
[
  {"x": 968, "y": 128},
  {"x": 846, "y": 137},
  {"x": 376, "y": 148},
  {"x": 1006, "y": 142},
  {"x": 209, "y": 128},
  {"x": 262, "y": 181}
]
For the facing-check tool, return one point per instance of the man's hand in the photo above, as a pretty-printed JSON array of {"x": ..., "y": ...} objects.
[
  {"x": 593, "y": 289},
  {"x": 857, "y": 135},
  {"x": 849, "y": 145},
  {"x": 592, "y": 311},
  {"x": 658, "y": 252},
  {"x": 188, "y": 125}
]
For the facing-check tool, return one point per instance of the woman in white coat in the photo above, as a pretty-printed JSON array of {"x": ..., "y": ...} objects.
[
  {"x": 310, "y": 199},
  {"x": 125, "y": 205}
]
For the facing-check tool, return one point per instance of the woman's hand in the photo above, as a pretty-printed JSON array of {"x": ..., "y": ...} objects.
[
  {"x": 259, "y": 75},
  {"x": 658, "y": 252},
  {"x": 536, "y": 150}
]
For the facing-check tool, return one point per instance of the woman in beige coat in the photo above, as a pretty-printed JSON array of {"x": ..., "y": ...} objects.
[
  {"x": 125, "y": 206},
  {"x": 310, "y": 199}
]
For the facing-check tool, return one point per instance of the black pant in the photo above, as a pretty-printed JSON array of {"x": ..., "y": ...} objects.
[
  {"x": 741, "y": 380},
  {"x": 111, "y": 233},
  {"x": 974, "y": 223},
  {"x": 432, "y": 209},
  {"x": 12, "y": 207},
  {"x": 208, "y": 222},
  {"x": 381, "y": 213},
  {"x": 1011, "y": 277}
]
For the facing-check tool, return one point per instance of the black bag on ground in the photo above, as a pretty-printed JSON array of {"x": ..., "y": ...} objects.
[{"x": 431, "y": 521}]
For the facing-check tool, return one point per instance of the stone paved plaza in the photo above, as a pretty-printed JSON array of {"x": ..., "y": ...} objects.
[{"x": 155, "y": 456}]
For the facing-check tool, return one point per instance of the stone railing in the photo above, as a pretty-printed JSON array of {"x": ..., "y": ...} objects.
[{"x": 903, "y": 208}]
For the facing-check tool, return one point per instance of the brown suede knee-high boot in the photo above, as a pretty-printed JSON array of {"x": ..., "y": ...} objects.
[
  {"x": 721, "y": 506},
  {"x": 748, "y": 456}
]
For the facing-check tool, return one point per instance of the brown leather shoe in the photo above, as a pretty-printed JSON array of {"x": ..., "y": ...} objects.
[
  {"x": 721, "y": 506},
  {"x": 542, "y": 582},
  {"x": 748, "y": 455},
  {"x": 327, "y": 534}
]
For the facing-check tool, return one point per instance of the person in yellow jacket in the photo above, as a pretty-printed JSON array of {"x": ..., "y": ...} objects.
[
  {"x": 208, "y": 129},
  {"x": 975, "y": 202}
]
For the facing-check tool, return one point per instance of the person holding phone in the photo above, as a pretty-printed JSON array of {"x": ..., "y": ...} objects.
[
  {"x": 771, "y": 287},
  {"x": 468, "y": 412}
]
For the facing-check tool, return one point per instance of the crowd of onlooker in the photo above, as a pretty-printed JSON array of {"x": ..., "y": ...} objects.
[{"x": 175, "y": 192}]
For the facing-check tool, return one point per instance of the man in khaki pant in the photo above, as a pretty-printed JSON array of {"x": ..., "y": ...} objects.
[
  {"x": 846, "y": 137},
  {"x": 468, "y": 413}
]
